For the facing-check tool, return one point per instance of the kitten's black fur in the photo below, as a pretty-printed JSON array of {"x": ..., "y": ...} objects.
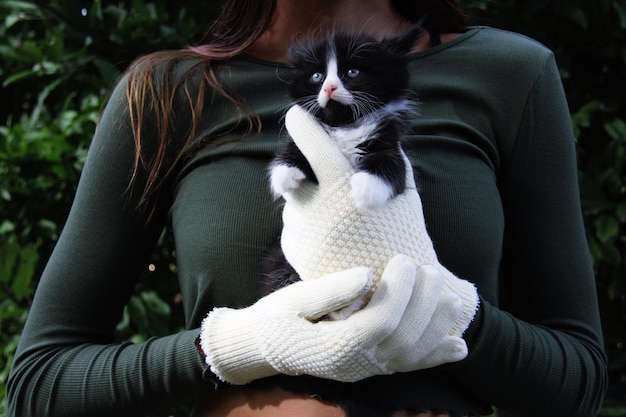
[{"x": 376, "y": 76}]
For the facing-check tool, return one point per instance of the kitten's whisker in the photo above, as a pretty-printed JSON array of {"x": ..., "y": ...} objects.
[
  {"x": 369, "y": 98},
  {"x": 282, "y": 109},
  {"x": 366, "y": 103},
  {"x": 309, "y": 103}
]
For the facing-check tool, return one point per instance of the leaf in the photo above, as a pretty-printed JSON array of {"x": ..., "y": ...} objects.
[
  {"x": 610, "y": 254},
  {"x": 152, "y": 314},
  {"x": 12, "y": 319},
  {"x": 48, "y": 228},
  {"x": 594, "y": 248},
  {"x": 9, "y": 53},
  {"x": 21, "y": 286},
  {"x": 95, "y": 13},
  {"x": 620, "y": 212},
  {"x": 155, "y": 304},
  {"x": 6, "y": 226},
  {"x": 25, "y": 6},
  {"x": 572, "y": 13},
  {"x": 620, "y": 9},
  {"x": 137, "y": 313},
  {"x": 18, "y": 77},
  {"x": 39, "y": 108},
  {"x": 9, "y": 254},
  {"x": 124, "y": 322},
  {"x": 30, "y": 51},
  {"x": 596, "y": 206},
  {"x": 108, "y": 71},
  {"x": 613, "y": 410},
  {"x": 616, "y": 128},
  {"x": 582, "y": 118},
  {"x": 607, "y": 228},
  {"x": 6, "y": 196}
]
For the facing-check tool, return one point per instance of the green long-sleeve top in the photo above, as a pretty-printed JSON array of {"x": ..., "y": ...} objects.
[{"x": 494, "y": 158}]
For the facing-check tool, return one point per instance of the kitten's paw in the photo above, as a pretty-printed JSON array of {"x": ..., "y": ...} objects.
[
  {"x": 369, "y": 191},
  {"x": 284, "y": 178}
]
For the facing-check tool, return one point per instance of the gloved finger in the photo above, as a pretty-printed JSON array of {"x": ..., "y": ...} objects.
[
  {"x": 451, "y": 349},
  {"x": 449, "y": 309},
  {"x": 324, "y": 156},
  {"x": 315, "y": 298},
  {"x": 417, "y": 317},
  {"x": 380, "y": 317}
]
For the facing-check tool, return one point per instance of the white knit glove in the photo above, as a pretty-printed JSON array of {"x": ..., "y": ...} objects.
[
  {"x": 282, "y": 331},
  {"x": 324, "y": 232}
]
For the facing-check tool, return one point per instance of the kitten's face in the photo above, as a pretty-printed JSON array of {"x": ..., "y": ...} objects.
[{"x": 347, "y": 77}]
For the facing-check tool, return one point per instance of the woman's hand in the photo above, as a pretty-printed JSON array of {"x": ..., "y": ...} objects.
[{"x": 405, "y": 326}]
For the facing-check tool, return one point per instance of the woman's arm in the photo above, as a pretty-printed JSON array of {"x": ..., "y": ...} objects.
[
  {"x": 67, "y": 362},
  {"x": 542, "y": 353}
]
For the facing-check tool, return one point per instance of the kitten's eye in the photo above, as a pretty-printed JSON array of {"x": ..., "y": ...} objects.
[
  {"x": 317, "y": 77},
  {"x": 353, "y": 73}
]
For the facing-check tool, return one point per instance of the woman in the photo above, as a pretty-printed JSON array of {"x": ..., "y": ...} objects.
[{"x": 186, "y": 138}]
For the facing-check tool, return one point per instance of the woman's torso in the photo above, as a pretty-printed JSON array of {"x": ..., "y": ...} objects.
[{"x": 461, "y": 138}]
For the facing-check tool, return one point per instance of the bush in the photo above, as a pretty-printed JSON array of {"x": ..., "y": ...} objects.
[{"x": 60, "y": 59}]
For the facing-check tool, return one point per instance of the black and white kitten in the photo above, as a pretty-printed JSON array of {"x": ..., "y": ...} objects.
[{"x": 357, "y": 87}]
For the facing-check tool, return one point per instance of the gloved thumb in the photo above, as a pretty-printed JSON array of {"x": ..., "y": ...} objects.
[
  {"x": 313, "y": 299},
  {"x": 410, "y": 178}
]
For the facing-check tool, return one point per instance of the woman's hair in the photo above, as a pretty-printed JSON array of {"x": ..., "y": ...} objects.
[{"x": 240, "y": 23}]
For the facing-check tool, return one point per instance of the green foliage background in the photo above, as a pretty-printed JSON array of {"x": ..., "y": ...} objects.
[{"x": 60, "y": 59}]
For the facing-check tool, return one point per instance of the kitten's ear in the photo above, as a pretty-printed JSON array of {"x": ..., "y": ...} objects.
[
  {"x": 305, "y": 51},
  {"x": 295, "y": 52},
  {"x": 403, "y": 43}
]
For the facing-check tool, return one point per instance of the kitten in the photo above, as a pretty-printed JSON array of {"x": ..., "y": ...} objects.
[{"x": 357, "y": 88}]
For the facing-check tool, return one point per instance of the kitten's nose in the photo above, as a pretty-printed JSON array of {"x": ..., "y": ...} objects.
[{"x": 330, "y": 90}]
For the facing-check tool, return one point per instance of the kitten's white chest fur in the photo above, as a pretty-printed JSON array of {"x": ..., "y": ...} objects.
[{"x": 349, "y": 138}]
